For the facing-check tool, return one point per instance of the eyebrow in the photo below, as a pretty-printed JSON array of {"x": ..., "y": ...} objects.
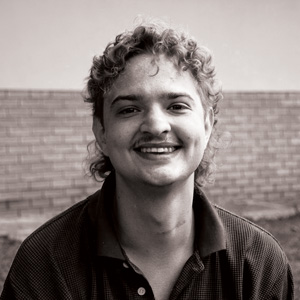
[
  {"x": 177, "y": 95},
  {"x": 137, "y": 97},
  {"x": 130, "y": 97}
]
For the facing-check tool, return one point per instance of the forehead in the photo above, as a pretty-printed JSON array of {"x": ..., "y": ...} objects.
[{"x": 148, "y": 74}]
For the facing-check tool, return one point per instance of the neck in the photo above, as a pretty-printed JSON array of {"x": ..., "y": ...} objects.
[{"x": 158, "y": 219}]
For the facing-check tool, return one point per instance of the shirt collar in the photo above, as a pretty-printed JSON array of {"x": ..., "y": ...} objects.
[{"x": 209, "y": 233}]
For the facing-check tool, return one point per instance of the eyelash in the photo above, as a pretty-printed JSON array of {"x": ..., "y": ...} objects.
[
  {"x": 178, "y": 106},
  {"x": 128, "y": 110},
  {"x": 173, "y": 107}
]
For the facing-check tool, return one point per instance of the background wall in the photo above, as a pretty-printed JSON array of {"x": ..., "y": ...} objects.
[{"x": 44, "y": 134}]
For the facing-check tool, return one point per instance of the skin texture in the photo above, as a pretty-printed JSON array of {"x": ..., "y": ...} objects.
[{"x": 154, "y": 127}]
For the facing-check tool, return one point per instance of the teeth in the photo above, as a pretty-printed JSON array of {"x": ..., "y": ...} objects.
[{"x": 158, "y": 150}]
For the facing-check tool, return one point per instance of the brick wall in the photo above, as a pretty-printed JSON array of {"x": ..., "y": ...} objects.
[
  {"x": 43, "y": 145},
  {"x": 43, "y": 138},
  {"x": 263, "y": 162}
]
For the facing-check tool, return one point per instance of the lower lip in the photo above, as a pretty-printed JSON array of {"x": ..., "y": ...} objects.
[{"x": 157, "y": 156}]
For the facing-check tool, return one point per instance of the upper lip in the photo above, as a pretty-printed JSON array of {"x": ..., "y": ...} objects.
[{"x": 157, "y": 145}]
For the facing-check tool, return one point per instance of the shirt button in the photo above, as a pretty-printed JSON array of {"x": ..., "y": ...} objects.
[
  {"x": 141, "y": 291},
  {"x": 125, "y": 265}
]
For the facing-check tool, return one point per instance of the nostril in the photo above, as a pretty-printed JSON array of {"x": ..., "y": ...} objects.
[{"x": 155, "y": 126}]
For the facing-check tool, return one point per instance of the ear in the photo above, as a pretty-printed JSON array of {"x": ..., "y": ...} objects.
[
  {"x": 209, "y": 123},
  {"x": 99, "y": 134}
]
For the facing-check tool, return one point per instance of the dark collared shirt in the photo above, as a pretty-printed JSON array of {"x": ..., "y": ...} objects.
[{"x": 76, "y": 255}]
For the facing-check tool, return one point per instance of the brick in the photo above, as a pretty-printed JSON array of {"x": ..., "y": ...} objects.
[
  {"x": 63, "y": 201},
  {"x": 266, "y": 188},
  {"x": 32, "y": 194},
  {"x": 70, "y": 192},
  {"x": 4, "y": 205},
  {"x": 63, "y": 148},
  {"x": 8, "y": 159},
  {"x": 63, "y": 96},
  {"x": 31, "y": 140},
  {"x": 8, "y": 103},
  {"x": 3, "y": 151},
  {"x": 18, "y": 112},
  {"x": 42, "y": 148},
  {"x": 276, "y": 180},
  {"x": 3, "y": 95},
  {"x": 8, "y": 214},
  {"x": 63, "y": 131},
  {"x": 31, "y": 176},
  {"x": 295, "y": 141},
  {"x": 17, "y": 186},
  {"x": 40, "y": 95},
  {"x": 20, "y": 204},
  {"x": 251, "y": 174},
  {"x": 30, "y": 212},
  {"x": 17, "y": 94},
  {"x": 40, "y": 185},
  {"x": 42, "y": 131},
  {"x": 20, "y": 131},
  {"x": 83, "y": 112},
  {"x": 41, "y": 202},
  {"x": 243, "y": 181},
  {"x": 51, "y": 175},
  {"x": 42, "y": 113},
  {"x": 233, "y": 190},
  {"x": 10, "y": 140},
  {"x": 63, "y": 113},
  {"x": 51, "y": 139},
  {"x": 258, "y": 196},
  {"x": 80, "y": 181},
  {"x": 291, "y": 195},
  {"x": 250, "y": 189},
  {"x": 21, "y": 149},
  {"x": 63, "y": 166},
  {"x": 282, "y": 187},
  {"x": 62, "y": 183},
  {"x": 283, "y": 172},
  {"x": 30, "y": 158},
  {"x": 74, "y": 139},
  {"x": 54, "y": 193},
  {"x": 52, "y": 157},
  {"x": 74, "y": 157},
  {"x": 296, "y": 186}
]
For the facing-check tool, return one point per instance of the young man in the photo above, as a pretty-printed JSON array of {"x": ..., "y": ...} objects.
[{"x": 150, "y": 233}]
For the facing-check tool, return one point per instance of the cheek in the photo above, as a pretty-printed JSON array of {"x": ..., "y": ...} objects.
[{"x": 117, "y": 138}]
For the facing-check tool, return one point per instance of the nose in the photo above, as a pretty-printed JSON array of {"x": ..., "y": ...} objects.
[{"x": 155, "y": 122}]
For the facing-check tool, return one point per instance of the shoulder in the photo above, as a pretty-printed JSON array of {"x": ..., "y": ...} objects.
[
  {"x": 241, "y": 232},
  {"x": 257, "y": 256},
  {"x": 55, "y": 255},
  {"x": 55, "y": 239}
]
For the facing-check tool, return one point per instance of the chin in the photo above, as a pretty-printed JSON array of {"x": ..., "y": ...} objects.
[{"x": 164, "y": 180}]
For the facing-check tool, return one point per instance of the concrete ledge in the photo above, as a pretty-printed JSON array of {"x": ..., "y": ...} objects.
[{"x": 19, "y": 229}]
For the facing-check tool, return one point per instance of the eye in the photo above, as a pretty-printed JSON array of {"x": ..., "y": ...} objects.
[
  {"x": 179, "y": 107},
  {"x": 128, "y": 110}
]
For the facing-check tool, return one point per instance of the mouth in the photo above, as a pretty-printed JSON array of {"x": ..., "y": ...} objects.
[{"x": 159, "y": 150}]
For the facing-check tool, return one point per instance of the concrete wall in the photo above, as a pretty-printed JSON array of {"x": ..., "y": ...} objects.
[{"x": 43, "y": 138}]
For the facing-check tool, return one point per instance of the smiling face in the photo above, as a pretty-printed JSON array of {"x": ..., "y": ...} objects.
[{"x": 154, "y": 130}]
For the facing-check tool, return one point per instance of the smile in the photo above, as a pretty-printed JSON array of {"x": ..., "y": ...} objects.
[{"x": 158, "y": 150}]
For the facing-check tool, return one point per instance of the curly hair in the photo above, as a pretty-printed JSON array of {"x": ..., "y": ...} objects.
[{"x": 156, "y": 40}]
